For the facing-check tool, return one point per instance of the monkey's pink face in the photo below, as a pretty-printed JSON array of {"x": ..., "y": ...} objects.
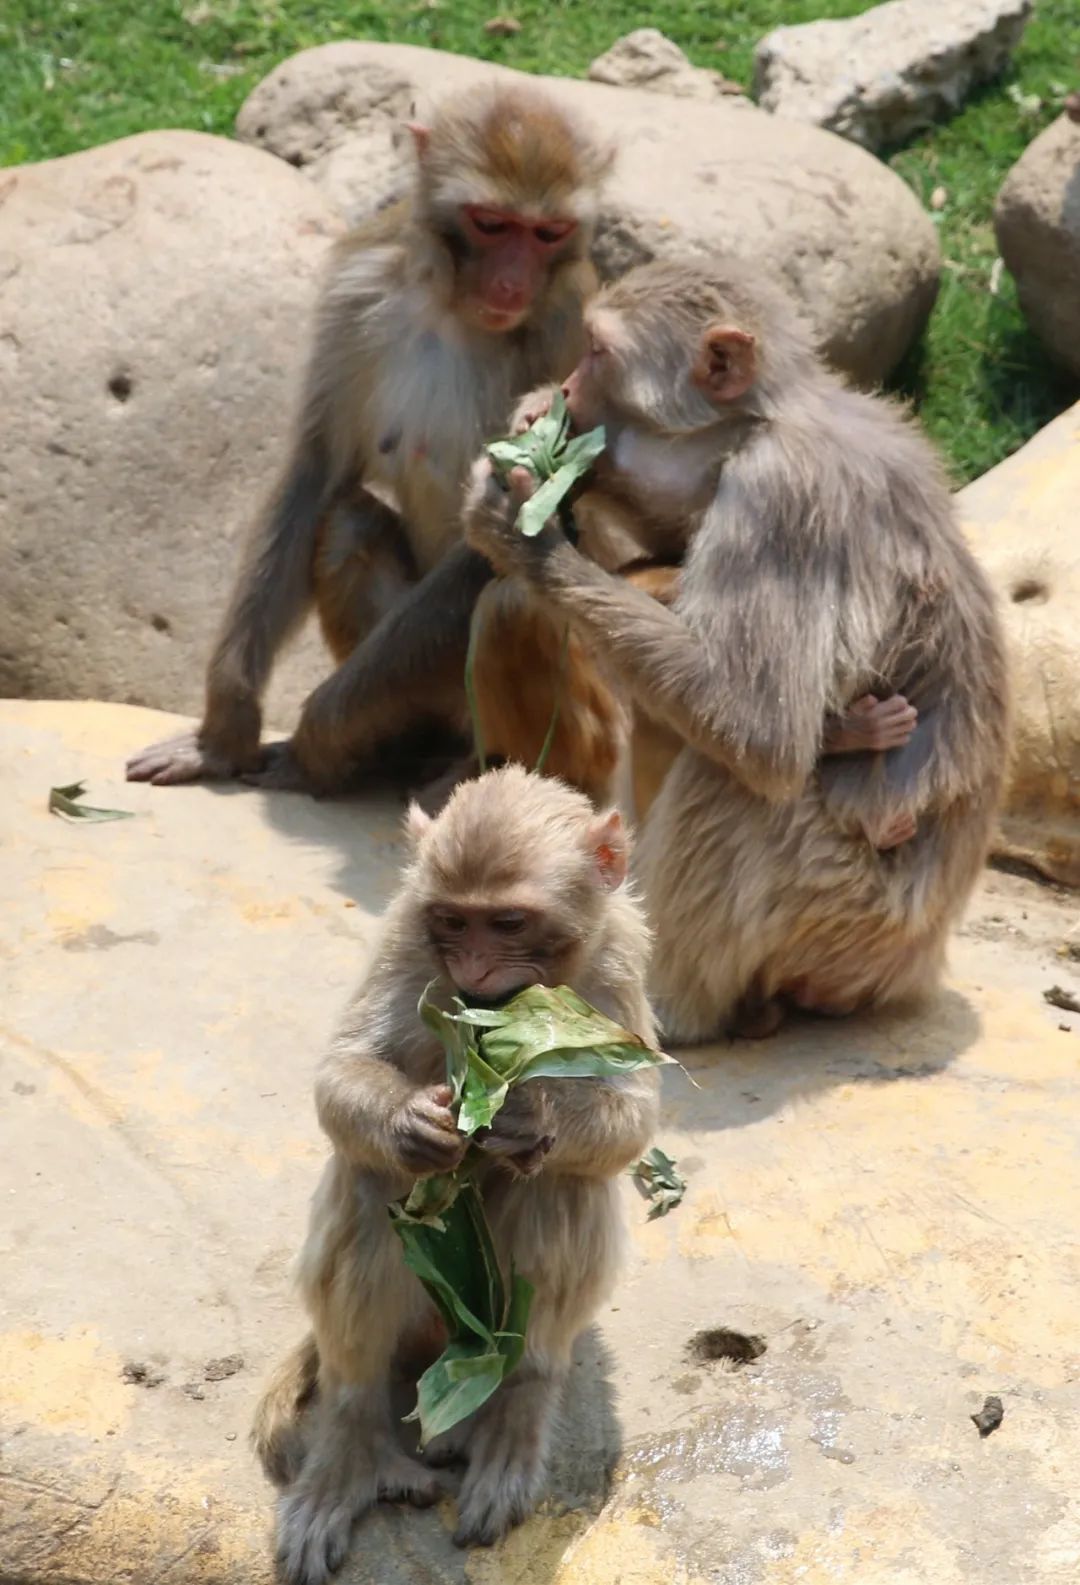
[
  {"x": 491, "y": 952},
  {"x": 586, "y": 388},
  {"x": 510, "y": 259}
]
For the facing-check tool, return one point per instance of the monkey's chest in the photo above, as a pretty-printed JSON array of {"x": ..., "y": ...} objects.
[{"x": 431, "y": 423}]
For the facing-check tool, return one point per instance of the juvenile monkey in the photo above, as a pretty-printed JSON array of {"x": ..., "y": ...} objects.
[
  {"x": 517, "y": 882},
  {"x": 434, "y": 317},
  {"x": 823, "y": 565}
]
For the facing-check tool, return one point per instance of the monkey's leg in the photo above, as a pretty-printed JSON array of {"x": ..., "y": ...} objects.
[
  {"x": 565, "y": 1236},
  {"x": 522, "y": 675},
  {"x": 363, "y": 566},
  {"x": 361, "y": 1298}
]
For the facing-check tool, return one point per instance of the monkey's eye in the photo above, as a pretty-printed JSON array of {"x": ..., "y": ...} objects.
[
  {"x": 448, "y": 924},
  {"x": 508, "y": 924},
  {"x": 488, "y": 222},
  {"x": 554, "y": 232}
]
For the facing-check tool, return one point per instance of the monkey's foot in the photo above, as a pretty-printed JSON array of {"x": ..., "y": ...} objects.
[
  {"x": 507, "y": 1462},
  {"x": 336, "y": 1487},
  {"x": 452, "y": 1447},
  {"x": 279, "y": 770},
  {"x": 756, "y": 1019},
  {"x": 178, "y": 759}
]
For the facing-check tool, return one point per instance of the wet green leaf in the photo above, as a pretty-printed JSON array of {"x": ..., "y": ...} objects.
[{"x": 63, "y": 801}]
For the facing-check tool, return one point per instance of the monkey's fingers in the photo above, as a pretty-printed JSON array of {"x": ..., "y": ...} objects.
[
  {"x": 280, "y": 771},
  {"x": 175, "y": 760}
]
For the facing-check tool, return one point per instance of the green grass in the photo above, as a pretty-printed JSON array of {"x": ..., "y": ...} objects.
[{"x": 79, "y": 72}]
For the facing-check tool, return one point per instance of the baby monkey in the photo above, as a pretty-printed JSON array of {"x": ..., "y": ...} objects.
[
  {"x": 517, "y": 882},
  {"x": 826, "y": 600}
]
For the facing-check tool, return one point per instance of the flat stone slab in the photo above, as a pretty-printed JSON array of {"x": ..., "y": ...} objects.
[{"x": 889, "y": 1204}]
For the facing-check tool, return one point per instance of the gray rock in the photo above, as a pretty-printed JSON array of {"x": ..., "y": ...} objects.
[
  {"x": 153, "y": 304},
  {"x": 879, "y": 77},
  {"x": 847, "y": 234},
  {"x": 647, "y": 59},
  {"x": 1037, "y": 220}
]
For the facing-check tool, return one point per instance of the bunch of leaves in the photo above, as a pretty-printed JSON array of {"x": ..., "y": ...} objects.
[
  {"x": 660, "y": 1181},
  {"x": 542, "y": 1032},
  {"x": 64, "y": 801},
  {"x": 548, "y": 453}
]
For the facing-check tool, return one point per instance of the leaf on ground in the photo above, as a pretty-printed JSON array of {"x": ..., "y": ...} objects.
[
  {"x": 660, "y": 1181},
  {"x": 1057, "y": 996},
  {"x": 64, "y": 801}
]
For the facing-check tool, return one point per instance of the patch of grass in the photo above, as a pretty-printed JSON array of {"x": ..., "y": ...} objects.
[{"x": 79, "y": 72}]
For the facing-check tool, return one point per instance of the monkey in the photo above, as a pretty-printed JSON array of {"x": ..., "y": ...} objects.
[
  {"x": 433, "y": 317},
  {"x": 821, "y": 566},
  {"x": 518, "y": 881}
]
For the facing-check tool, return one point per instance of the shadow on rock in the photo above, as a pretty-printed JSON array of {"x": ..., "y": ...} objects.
[{"x": 743, "y": 1081}]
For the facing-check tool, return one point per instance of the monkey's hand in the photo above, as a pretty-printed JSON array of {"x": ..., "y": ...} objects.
[
  {"x": 424, "y": 1133},
  {"x": 870, "y": 724},
  {"x": 183, "y": 759},
  {"x": 490, "y": 520},
  {"x": 892, "y": 832},
  {"x": 536, "y": 405},
  {"x": 521, "y": 1133}
]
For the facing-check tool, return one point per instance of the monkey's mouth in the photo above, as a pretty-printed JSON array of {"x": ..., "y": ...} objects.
[{"x": 492, "y": 1004}]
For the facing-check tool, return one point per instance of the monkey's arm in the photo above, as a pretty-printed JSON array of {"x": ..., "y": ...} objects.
[
  {"x": 410, "y": 662},
  {"x": 600, "y": 1126},
  {"x": 740, "y": 670},
  {"x": 270, "y": 597},
  {"x": 377, "y": 1118}
]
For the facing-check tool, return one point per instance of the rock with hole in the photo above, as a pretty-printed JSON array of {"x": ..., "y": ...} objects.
[
  {"x": 844, "y": 231},
  {"x": 1022, "y": 520},
  {"x": 154, "y": 296},
  {"x": 1037, "y": 220}
]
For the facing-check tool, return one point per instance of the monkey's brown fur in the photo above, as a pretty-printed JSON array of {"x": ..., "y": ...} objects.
[
  {"x": 403, "y": 386},
  {"x": 506, "y": 838},
  {"x": 823, "y": 563}
]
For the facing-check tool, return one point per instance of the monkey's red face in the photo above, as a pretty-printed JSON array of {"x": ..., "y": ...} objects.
[
  {"x": 508, "y": 261},
  {"x": 491, "y": 952}
]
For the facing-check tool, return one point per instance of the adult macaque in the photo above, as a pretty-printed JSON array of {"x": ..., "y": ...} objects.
[
  {"x": 517, "y": 882},
  {"x": 822, "y": 566},
  {"x": 434, "y": 317}
]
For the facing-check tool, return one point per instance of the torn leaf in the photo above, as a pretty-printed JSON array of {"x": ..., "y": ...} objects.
[
  {"x": 64, "y": 801},
  {"x": 660, "y": 1181}
]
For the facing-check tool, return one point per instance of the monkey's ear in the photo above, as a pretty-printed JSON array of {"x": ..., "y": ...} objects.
[
  {"x": 607, "y": 838},
  {"x": 726, "y": 365},
  {"x": 421, "y": 136},
  {"x": 416, "y": 823}
]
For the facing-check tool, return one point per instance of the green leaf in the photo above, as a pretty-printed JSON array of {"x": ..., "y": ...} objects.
[
  {"x": 507, "y": 454},
  {"x": 459, "y": 1382},
  {"x": 549, "y": 454},
  {"x": 583, "y": 450},
  {"x": 549, "y": 1031},
  {"x": 511, "y": 1338},
  {"x": 481, "y": 1097},
  {"x": 430, "y": 1197},
  {"x": 448, "y": 1271},
  {"x": 659, "y": 1180},
  {"x": 453, "y": 1033},
  {"x": 62, "y": 801}
]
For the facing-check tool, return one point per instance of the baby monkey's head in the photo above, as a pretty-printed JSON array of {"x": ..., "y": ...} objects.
[
  {"x": 513, "y": 881},
  {"x": 676, "y": 348}
]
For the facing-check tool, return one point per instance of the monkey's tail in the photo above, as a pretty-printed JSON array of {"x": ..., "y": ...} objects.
[{"x": 275, "y": 1434}]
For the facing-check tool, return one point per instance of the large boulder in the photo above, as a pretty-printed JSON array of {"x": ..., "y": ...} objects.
[
  {"x": 848, "y": 235},
  {"x": 878, "y": 77},
  {"x": 1022, "y": 518},
  {"x": 889, "y": 1203},
  {"x": 1037, "y": 220},
  {"x": 154, "y": 297}
]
